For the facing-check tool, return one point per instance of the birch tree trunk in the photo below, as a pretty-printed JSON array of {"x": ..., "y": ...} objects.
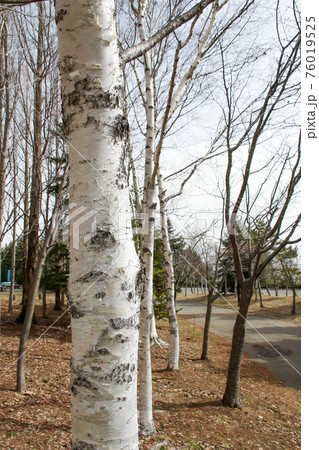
[
  {"x": 104, "y": 308},
  {"x": 145, "y": 407},
  {"x": 145, "y": 395},
  {"x": 173, "y": 361}
]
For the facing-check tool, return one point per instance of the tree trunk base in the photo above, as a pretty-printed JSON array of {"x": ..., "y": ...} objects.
[
  {"x": 171, "y": 368},
  {"x": 57, "y": 308},
  {"x": 21, "y": 389},
  {"x": 146, "y": 429},
  {"x": 231, "y": 402}
]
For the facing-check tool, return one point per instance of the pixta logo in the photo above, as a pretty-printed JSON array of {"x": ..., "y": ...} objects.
[
  {"x": 139, "y": 223},
  {"x": 76, "y": 221}
]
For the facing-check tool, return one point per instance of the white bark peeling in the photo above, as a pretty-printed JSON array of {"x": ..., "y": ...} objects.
[{"x": 103, "y": 269}]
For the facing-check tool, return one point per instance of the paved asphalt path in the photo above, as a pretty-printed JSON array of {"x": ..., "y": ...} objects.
[{"x": 283, "y": 335}]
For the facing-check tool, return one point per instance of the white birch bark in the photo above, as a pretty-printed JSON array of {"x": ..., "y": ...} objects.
[
  {"x": 173, "y": 361},
  {"x": 138, "y": 205},
  {"x": 103, "y": 270},
  {"x": 145, "y": 407}
]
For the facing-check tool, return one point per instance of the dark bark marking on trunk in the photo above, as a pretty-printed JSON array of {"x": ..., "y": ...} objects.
[
  {"x": 121, "y": 128},
  {"x": 75, "y": 312},
  {"x": 128, "y": 287},
  {"x": 81, "y": 445},
  {"x": 102, "y": 238},
  {"x": 96, "y": 368},
  {"x": 122, "y": 373},
  {"x": 100, "y": 295},
  {"x": 119, "y": 323},
  {"x": 121, "y": 338},
  {"x": 59, "y": 15},
  {"x": 89, "y": 92},
  {"x": 67, "y": 121},
  {"x": 98, "y": 124},
  {"x": 81, "y": 380},
  {"x": 93, "y": 276},
  {"x": 99, "y": 97},
  {"x": 73, "y": 307},
  {"x": 103, "y": 351},
  {"x": 173, "y": 332},
  {"x": 68, "y": 64}
]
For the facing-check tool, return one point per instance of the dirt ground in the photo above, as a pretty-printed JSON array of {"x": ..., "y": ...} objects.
[{"x": 187, "y": 404}]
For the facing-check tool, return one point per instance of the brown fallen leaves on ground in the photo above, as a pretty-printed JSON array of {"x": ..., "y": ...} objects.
[{"x": 187, "y": 404}]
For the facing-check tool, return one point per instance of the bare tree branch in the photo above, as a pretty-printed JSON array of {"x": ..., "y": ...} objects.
[
  {"x": 11, "y": 3},
  {"x": 140, "y": 49}
]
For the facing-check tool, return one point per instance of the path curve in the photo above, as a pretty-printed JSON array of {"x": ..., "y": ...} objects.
[{"x": 283, "y": 335}]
